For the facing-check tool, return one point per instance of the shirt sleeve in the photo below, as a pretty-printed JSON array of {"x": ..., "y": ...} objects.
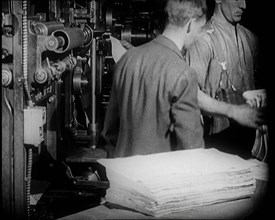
[
  {"x": 198, "y": 56},
  {"x": 185, "y": 114}
]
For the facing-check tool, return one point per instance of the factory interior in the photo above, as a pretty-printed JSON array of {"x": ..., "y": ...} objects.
[{"x": 57, "y": 65}]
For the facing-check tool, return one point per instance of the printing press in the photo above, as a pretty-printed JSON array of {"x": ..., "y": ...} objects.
[{"x": 57, "y": 65}]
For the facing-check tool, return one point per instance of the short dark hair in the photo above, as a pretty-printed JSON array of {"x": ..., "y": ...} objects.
[{"x": 179, "y": 12}]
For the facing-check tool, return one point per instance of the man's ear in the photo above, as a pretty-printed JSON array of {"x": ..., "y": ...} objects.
[
  {"x": 188, "y": 28},
  {"x": 189, "y": 24}
]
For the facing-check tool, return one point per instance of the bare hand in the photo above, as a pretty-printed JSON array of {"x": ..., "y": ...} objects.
[
  {"x": 255, "y": 98},
  {"x": 247, "y": 116}
]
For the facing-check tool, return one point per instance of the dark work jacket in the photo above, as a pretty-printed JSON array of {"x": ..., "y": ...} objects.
[{"x": 153, "y": 104}]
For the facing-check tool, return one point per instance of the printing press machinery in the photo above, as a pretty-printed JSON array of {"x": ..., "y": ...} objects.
[
  {"x": 56, "y": 77},
  {"x": 57, "y": 65}
]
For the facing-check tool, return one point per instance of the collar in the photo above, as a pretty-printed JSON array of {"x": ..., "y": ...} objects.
[
  {"x": 221, "y": 21},
  {"x": 166, "y": 42}
]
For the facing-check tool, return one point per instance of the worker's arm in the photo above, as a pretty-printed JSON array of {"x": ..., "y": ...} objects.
[
  {"x": 185, "y": 113},
  {"x": 242, "y": 114}
]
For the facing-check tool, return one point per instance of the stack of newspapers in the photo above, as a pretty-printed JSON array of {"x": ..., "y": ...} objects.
[{"x": 165, "y": 183}]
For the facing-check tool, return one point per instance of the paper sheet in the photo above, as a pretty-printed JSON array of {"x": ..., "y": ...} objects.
[
  {"x": 165, "y": 183},
  {"x": 117, "y": 49}
]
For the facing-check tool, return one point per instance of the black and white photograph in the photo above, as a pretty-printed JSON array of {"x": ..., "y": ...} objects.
[{"x": 136, "y": 109}]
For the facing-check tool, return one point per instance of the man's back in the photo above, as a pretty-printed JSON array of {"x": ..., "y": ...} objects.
[{"x": 156, "y": 94}]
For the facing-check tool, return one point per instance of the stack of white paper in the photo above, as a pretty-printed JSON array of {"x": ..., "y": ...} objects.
[{"x": 164, "y": 183}]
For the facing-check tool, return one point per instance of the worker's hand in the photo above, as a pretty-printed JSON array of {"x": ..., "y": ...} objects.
[
  {"x": 126, "y": 44},
  {"x": 255, "y": 98},
  {"x": 247, "y": 116}
]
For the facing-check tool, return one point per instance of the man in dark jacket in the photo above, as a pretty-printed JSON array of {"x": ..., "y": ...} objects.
[{"x": 153, "y": 106}]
